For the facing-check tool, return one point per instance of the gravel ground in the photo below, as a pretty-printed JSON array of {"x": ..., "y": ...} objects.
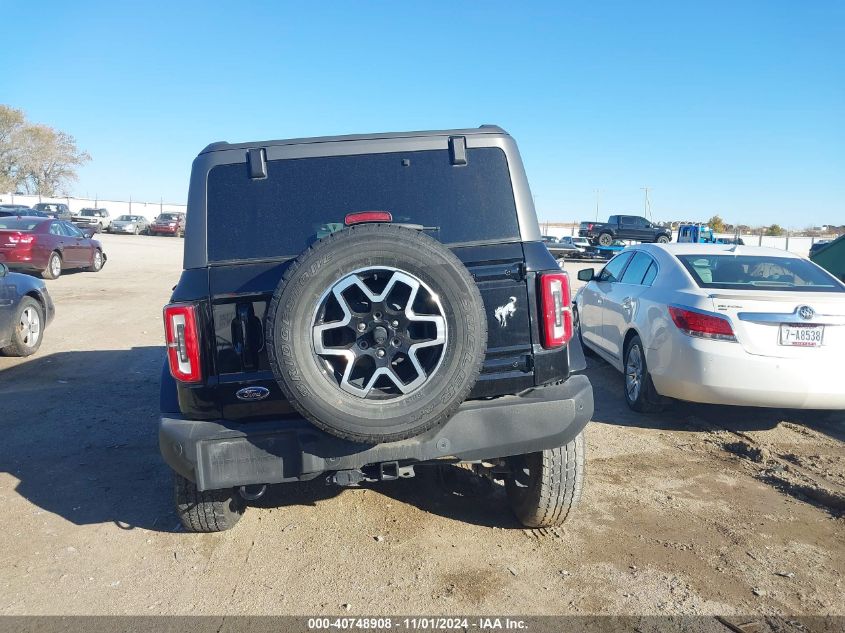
[{"x": 698, "y": 510}]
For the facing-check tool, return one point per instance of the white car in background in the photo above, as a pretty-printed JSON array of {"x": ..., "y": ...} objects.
[
  {"x": 719, "y": 324},
  {"x": 580, "y": 242}
]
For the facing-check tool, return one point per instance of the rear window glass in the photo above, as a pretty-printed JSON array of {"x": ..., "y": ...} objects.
[
  {"x": 304, "y": 199},
  {"x": 760, "y": 272},
  {"x": 19, "y": 224}
]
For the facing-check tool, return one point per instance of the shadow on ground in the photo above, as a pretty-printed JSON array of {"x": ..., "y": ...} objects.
[
  {"x": 447, "y": 491},
  {"x": 80, "y": 436}
]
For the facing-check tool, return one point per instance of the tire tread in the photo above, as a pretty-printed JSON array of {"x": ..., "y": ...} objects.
[
  {"x": 206, "y": 511},
  {"x": 558, "y": 487}
]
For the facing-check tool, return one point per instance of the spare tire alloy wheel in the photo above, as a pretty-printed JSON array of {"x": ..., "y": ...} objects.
[
  {"x": 387, "y": 359},
  {"x": 376, "y": 333}
]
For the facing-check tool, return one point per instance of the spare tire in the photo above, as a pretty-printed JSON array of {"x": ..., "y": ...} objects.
[{"x": 376, "y": 333}]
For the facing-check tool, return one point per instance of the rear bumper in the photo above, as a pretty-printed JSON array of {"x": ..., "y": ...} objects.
[
  {"x": 21, "y": 259},
  {"x": 717, "y": 372},
  {"x": 219, "y": 454}
]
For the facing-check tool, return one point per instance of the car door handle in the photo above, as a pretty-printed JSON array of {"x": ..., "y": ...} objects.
[{"x": 627, "y": 303}]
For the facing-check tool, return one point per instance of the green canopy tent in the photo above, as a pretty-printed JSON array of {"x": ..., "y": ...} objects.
[{"x": 832, "y": 257}]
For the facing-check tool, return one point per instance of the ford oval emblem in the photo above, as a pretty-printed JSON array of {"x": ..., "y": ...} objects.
[{"x": 250, "y": 394}]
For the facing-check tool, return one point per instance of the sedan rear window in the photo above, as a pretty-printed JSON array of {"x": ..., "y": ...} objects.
[
  {"x": 304, "y": 199},
  {"x": 760, "y": 272},
  {"x": 19, "y": 224}
]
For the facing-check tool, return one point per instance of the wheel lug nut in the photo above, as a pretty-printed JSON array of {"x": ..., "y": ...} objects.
[
  {"x": 362, "y": 344},
  {"x": 362, "y": 327},
  {"x": 380, "y": 353},
  {"x": 396, "y": 342},
  {"x": 394, "y": 323}
]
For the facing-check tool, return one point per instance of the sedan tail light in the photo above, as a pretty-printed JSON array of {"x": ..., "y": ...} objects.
[
  {"x": 702, "y": 325},
  {"x": 555, "y": 309},
  {"x": 182, "y": 337},
  {"x": 20, "y": 238}
]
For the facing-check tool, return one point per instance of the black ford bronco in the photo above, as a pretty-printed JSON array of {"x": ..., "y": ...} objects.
[{"x": 352, "y": 307}]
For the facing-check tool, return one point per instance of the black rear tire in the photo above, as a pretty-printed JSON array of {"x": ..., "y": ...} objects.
[
  {"x": 645, "y": 398},
  {"x": 22, "y": 343},
  {"x": 319, "y": 387},
  {"x": 208, "y": 511},
  {"x": 54, "y": 266},
  {"x": 605, "y": 239},
  {"x": 545, "y": 487}
]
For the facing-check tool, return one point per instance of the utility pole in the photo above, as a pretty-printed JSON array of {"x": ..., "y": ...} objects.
[
  {"x": 598, "y": 192},
  {"x": 646, "y": 203}
]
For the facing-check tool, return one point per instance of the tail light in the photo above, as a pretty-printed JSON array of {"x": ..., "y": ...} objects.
[
  {"x": 702, "y": 325},
  {"x": 20, "y": 238},
  {"x": 182, "y": 337},
  {"x": 368, "y": 216},
  {"x": 589, "y": 227},
  {"x": 555, "y": 309}
]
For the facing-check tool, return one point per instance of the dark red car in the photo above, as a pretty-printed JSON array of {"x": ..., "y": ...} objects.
[
  {"x": 47, "y": 246},
  {"x": 168, "y": 224}
]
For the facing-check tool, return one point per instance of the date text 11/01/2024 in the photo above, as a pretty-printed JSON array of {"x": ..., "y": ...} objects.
[{"x": 417, "y": 624}]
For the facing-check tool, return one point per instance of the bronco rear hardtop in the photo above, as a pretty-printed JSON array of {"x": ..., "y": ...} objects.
[{"x": 357, "y": 305}]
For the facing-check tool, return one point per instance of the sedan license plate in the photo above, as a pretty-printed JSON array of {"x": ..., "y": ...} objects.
[{"x": 795, "y": 334}]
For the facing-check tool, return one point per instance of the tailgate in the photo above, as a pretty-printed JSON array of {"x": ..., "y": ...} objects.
[{"x": 241, "y": 294}]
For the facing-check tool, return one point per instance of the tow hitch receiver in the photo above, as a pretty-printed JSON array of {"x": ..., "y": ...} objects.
[{"x": 385, "y": 471}]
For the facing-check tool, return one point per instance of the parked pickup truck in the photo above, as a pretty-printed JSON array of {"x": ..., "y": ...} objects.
[{"x": 624, "y": 227}]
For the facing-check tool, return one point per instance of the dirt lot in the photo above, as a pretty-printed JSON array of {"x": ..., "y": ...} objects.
[{"x": 700, "y": 510}]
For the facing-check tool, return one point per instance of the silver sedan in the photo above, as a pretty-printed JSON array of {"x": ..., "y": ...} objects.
[{"x": 720, "y": 324}]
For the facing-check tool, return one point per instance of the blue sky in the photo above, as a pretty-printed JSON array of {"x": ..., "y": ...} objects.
[{"x": 736, "y": 108}]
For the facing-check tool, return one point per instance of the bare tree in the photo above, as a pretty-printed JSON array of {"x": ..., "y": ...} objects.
[
  {"x": 51, "y": 161},
  {"x": 12, "y": 124},
  {"x": 36, "y": 158}
]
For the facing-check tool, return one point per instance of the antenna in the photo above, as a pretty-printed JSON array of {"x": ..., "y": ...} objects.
[
  {"x": 646, "y": 203},
  {"x": 598, "y": 192}
]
